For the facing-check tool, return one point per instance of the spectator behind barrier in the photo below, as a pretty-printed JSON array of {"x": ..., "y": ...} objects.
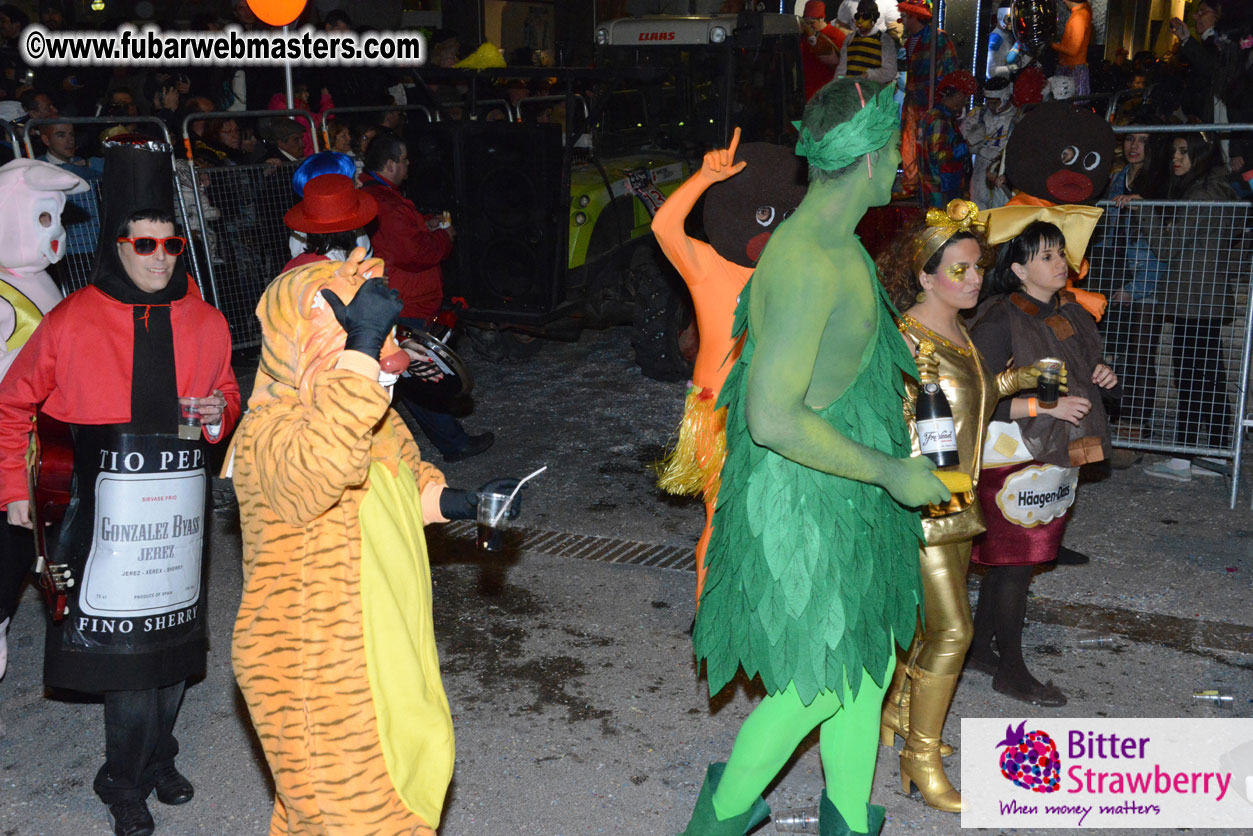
[
  {"x": 164, "y": 101},
  {"x": 286, "y": 138},
  {"x": 412, "y": 245},
  {"x": 301, "y": 101},
  {"x": 1129, "y": 276},
  {"x": 81, "y": 216},
  {"x": 1199, "y": 246}
]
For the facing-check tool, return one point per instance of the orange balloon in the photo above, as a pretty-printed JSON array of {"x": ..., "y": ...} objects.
[{"x": 277, "y": 12}]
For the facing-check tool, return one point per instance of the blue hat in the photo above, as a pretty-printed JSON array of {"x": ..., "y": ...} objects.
[{"x": 323, "y": 162}]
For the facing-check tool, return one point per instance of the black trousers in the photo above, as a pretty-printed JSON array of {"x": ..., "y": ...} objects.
[
  {"x": 1132, "y": 331},
  {"x": 1201, "y": 377},
  {"x": 17, "y": 556},
  {"x": 138, "y": 740}
]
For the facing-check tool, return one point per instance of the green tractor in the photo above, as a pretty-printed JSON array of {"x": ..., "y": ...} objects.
[{"x": 553, "y": 202}]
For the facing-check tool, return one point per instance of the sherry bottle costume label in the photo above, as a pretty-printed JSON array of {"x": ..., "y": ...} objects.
[
  {"x": 134, "y": 537},
  {"x": 145, "y": 556}
]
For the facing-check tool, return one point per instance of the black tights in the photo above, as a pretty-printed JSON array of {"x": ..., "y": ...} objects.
[{"x": 1000, "y": 614}]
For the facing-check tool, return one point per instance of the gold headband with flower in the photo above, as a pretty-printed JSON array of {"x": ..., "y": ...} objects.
[{"x": 943, "y": 224}]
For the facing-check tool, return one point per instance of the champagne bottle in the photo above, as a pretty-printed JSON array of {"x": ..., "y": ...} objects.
[{"x": 937, "y": 436}]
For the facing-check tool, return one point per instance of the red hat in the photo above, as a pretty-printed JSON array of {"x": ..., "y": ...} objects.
[
  {"x": 920, "y": 9},
  {"x": 959, "y": 80},
  {"x": 815, "y": 8},
  {"x": 331, "y": 203}
]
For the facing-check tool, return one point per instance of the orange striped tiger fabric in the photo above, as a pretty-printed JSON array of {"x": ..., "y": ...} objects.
[{"x": 333, "y": 495}]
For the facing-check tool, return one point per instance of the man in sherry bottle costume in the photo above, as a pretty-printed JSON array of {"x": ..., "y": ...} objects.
[{"x": 112, "y": 361}]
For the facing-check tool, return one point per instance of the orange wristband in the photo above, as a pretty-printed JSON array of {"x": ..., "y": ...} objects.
[{"x": 1032, "y": 404}]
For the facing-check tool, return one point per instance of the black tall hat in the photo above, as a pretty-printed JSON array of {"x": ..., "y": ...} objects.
[{"x": 138, "y": 174}]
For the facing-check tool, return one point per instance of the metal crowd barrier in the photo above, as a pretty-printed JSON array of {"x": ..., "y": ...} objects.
[
  {"x": 333, "y": 112},
  {"x": 1217, "y": 229},
  {"x": 236, "y": 224},
  {"x": 82, "y": 232},
  {"x": 1178, "y": 329}
]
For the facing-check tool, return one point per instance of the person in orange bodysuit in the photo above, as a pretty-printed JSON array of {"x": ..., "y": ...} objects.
[
  {"x": 739, "y": 217},
  {"x": 1072, "y": 50}
]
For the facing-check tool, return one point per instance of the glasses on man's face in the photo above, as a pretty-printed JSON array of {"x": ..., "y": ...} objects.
[
  {"x": 147, "y": 246},
  {"x": 867, "y": 18}
]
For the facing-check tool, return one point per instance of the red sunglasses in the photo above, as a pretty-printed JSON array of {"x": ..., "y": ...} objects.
[{"x": 147, "y": 246}]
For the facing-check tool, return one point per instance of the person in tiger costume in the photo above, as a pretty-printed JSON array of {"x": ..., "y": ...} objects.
[{"x": 333, "y": 494}]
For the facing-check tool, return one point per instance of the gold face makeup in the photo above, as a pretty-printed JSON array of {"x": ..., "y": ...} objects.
[{"x": 957, "y": 272}]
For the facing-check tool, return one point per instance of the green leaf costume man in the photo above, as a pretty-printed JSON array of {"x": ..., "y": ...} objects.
[{"x": 813, "y": 562}]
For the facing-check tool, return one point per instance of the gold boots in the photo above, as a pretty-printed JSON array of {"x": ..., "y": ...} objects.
[
  {"x": 920, "y": 759},
  {"x": 895, "y": 717}
]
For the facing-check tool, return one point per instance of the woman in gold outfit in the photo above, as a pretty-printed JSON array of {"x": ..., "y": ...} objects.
[{"x": 934, "y": 274}]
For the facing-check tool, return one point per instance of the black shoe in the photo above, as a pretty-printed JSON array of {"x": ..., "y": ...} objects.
[
  {"x": 474, "y": 445},
  {"x": 131, "y": 818},
  {"x": 1046, "y": 694},
  {"x": 1070, "y": 557},
  {"x": 172, "y": 786},
  {"x": 982, "y": 663}
]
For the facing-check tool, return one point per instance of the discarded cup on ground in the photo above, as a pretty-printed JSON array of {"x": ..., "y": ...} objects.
[
  {"x": 1220, "y": 699},
  {"x": 1048, "y": 387},
  {"x": 492, "y": 519},
  {"x": 189, "y": 418},
  {"x": 796, "y": 820}
]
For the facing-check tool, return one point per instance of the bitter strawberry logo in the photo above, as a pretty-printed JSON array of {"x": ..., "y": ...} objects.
[{"x": 1030, "y": 759}]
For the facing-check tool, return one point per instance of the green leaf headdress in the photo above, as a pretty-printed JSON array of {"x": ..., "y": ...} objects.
[{"x": 869, "y": 130}]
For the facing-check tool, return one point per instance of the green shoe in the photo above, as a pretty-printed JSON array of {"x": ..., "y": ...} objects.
[
  {"x": 705, "y": 821},
  {"x": 831, "y": 823}
]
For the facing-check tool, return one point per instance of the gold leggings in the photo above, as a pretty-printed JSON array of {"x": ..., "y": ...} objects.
[{"x": 941, "y": 645}]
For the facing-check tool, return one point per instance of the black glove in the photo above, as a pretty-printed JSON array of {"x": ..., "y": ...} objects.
[
  {"x": 457, "y": 504},
  {"x": 368, "y": 318}
]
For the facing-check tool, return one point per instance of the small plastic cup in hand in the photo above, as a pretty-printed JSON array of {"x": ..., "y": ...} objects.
[
  {"x": 189, "y": 418},
  {"x": 493, "y": 519}
]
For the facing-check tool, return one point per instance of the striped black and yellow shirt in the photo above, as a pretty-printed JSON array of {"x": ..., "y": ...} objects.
[{"x": 865, "y": 53}]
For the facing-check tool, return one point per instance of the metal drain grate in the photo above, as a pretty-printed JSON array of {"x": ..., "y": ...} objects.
[
  {"x": 591, "y": 547},
  {"x": 1187, "y": 634}
]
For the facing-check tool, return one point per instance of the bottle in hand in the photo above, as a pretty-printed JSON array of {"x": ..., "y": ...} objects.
[{"x": 937, "y": 436}]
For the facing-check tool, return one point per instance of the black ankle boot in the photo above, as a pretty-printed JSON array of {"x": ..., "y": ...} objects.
[{"x": 131, "y": 818}]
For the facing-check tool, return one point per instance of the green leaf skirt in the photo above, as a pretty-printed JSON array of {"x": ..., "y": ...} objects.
[{"x": 809, "y": 574}]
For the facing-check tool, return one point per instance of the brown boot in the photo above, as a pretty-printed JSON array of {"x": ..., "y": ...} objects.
[{"x": 920, "y": 759}]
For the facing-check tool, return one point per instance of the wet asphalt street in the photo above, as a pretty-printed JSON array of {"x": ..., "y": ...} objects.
[{"x": 577, "y": 705}]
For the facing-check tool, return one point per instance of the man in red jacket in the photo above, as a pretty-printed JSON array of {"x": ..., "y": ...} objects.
[
  {"x": 404, "y": 237},
  {"x": 412, "y": 245}
]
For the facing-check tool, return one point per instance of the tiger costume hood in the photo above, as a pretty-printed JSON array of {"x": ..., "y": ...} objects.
[{"x": 300, "y": 335}]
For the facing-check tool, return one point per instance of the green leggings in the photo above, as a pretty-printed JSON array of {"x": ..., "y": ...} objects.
[{"x": 848, "y": 742}]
